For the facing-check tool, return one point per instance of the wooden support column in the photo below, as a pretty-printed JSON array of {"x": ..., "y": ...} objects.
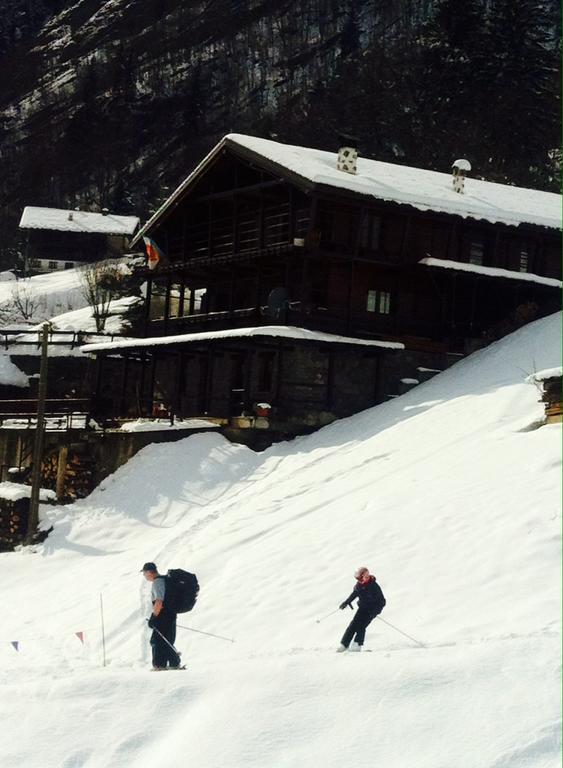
[
  {"x": 167, "y": 302},
  {"x": 248, "y": 378},
  {"x": 147, "y": 318},
  {"x": 182, "y": 285},
  {"x": 61, "y": 472},
  {"x": 192, "y": 301}
]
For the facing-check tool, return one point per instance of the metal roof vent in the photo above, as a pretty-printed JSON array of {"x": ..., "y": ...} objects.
[
  {"x": 70, "y": 216},
  {"x": 460, "y": 168}
]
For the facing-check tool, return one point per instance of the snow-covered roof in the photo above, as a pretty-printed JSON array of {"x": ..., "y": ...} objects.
[
  {"x": 64, "y": 220},
  {"x": 420, "y": 188},
  {"x": 282, "y": 331},
  {"x": 17, "y": 491},
  {"x": 547, "y": 373},
  {"x": 461, "y": 266}
]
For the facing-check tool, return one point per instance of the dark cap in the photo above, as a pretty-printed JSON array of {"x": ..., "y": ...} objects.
[{"x": 149, "y": 567}]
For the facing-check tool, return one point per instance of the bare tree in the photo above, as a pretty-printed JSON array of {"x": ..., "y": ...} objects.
[
  {"x": 25, "y": 303},
  {"x": 101, "y": 283}
]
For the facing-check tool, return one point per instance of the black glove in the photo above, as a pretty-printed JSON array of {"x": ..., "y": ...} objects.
[
  {"x": 151, "y": 621},
  {"x": 343, "y": 605}
]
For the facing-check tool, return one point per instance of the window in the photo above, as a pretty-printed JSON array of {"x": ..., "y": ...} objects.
[
  {"x": 69, "y": 265},
  {"x": 370, "y": 231},
  {"x": 379, "y": 302},
  {"x": 53, "y": 265},
  {"x": 476, "y": 249},
  {"x": 524, "y": 260}
]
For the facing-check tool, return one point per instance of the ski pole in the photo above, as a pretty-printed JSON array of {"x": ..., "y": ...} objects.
[
  {"x": 201, "y": 632},
  {"x": 176, "y": 651},
  {"x": 401, "y": 632},
  {"x": 326, "y": 617}
]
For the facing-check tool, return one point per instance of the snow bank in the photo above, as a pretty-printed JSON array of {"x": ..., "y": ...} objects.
[{"x": 450, "y": 494}]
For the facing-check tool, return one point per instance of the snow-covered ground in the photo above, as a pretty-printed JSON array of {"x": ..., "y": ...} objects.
[
  {"x": 59, "y": 298},
  {"x": 450, "y": 494}
]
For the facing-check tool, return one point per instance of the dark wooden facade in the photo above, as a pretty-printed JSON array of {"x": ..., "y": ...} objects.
[
  {"x": 348, "y": 266},
  {"x": 49, "y": 250},
  {"x": 338, "y": 263}
]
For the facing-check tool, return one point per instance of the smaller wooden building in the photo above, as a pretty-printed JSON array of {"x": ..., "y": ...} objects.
[
  {"x": 63, "y": 239},
  {"x": 550, "y": 381}
]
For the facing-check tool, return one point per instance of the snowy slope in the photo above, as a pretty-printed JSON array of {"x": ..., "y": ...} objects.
[
  {"x": 451, "y": 494},
  {"x": 58, "y": 297}
]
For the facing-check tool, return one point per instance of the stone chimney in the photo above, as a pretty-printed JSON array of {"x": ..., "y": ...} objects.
[
  {"x": 460, "y": 168},
  {"x": 347, "y": 159},
  {"x": 105, "y": 211},
  {"x": 348, "y": 153}
]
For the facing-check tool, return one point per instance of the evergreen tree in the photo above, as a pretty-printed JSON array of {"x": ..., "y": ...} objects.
[{"x": 522, "y": 103}]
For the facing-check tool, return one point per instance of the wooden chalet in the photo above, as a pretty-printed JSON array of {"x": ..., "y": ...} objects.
[
  {"x": 63, "y": 239},
  {"x": 294, "y": 286}
]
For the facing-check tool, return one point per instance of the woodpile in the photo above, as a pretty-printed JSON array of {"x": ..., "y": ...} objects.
[
  {"x": 13, "y": 522},
  {"x": 75, "y": 477}
]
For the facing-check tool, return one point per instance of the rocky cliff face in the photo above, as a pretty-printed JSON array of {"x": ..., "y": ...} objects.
[{"x": 110, "y": 103}]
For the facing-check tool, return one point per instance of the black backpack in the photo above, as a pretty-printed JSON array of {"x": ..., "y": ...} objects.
[{"x": 181, "y": 590}]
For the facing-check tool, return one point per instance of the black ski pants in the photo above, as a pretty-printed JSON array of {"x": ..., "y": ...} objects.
[
  {"x": 356, "y": 629},
  {"x": 162, "y": 654}
]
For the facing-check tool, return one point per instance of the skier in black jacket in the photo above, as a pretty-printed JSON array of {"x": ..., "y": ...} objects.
[{"x": 370, "y": 604}]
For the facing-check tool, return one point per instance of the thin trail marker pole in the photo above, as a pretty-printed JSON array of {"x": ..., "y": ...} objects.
[
  {"x": 326, "y": 617},
  {"x": 33, "y": 520},
  {"x": 401, "y": 632},
  {"x": 210, "y": 634},
  {"x": 103, "y": 630}
]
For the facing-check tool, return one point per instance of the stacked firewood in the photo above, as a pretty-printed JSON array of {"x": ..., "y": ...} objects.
[
  {"x": 13, "y": 523},
  {"x": 78, "y": 475}
]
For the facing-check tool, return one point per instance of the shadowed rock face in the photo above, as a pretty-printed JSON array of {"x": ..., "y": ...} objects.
[{"x": 110, "y": 103}]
